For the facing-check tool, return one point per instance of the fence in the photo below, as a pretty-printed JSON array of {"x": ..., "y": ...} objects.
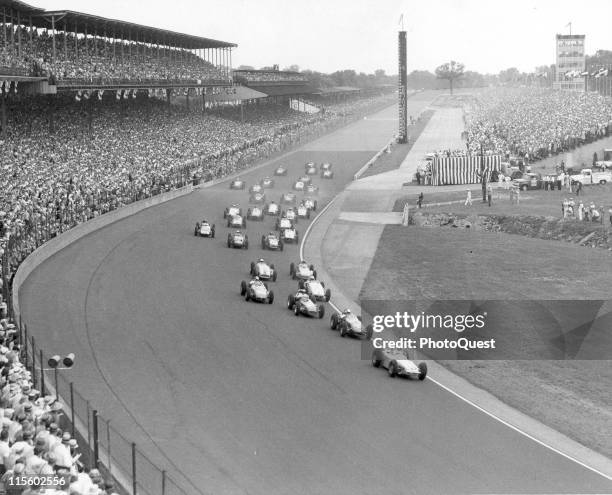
[{"x": 101, "y": 445}]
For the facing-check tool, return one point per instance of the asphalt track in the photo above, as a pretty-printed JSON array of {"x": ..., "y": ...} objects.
[{"x": 247, "y": 398}]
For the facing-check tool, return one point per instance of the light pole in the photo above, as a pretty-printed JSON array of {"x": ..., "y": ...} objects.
[{"x": 53, "y": 362}]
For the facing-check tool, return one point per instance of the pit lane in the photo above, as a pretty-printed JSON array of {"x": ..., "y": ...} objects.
[{"x": 247, "y": 398}]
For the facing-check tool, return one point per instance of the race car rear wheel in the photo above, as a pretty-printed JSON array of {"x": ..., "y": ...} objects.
[
  {"x": 314, "y": 274},
  {"x": 375, "y": 362},
  {"x": 321, "y": 311},
  {"x": 343, "y": 331},
  {"x": 333, "y": 323},
  {"x": 247, "y": 296},
  {"x": 422, "y": 371},
  {"x": 243, "y": 288},
  {"x": 369, "y": 332},
  {"x": 392, "y": 369},
  {"x": 270, "y": 297},
  {"x": 327, "y": 295},
  {"x": 290, "y": 302},
  {"x": 296, "y": 310},
  {"x": 273, "y": 275},
  {"x": 212, "y": 232}
]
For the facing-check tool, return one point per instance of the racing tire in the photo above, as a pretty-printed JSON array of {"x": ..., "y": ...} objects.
[
  {"x": 228, "y": 222},
  {"x": 252, "y": 270},
  {"x": 249, "y": 213},
  {"x": 321, "y": 311},
  {"x": 244, "y": 223},
  {"x": 247, "y": 296},
  {"x": 314, "y": 274},
  {"x": 195, "y": 232},
  {"x": 602, "y": 182},
  {"x": 308, "y": 215},
  {"x": 311, "y": 268},
  {"x": 292, "y": 270},
  {"x": 333, "y": 322},
  {"x": 243, "y": 288},
  {"x": 301, "y": 284},
  {"x": 212, "y": 232},
  {"x": 422, "y": 371},
  {"x": 296, "y": 310},
  {"x": 375, "y": 362},
  {"x": 225, "y": 214},
  {"x": 290, "y": 302},
  {"x": 273, "y": 275},
  {"x": 327, "y": 295},
  {"x": 270, "y": 297},
  {"x": 392, "y": 370},
  {"x": 229, "y": 242},
  {"x": 281, "y": 245},
  {"x": 246, "y": 244},
  {"x": 343, "y": 331}
]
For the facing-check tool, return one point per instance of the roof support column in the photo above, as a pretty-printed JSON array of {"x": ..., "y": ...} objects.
[
  {"x": 86, "y": 49},
  {"x": 12, "y": 33},
  {"x": 4, "y": 27},
  {"x": 53, "y": 38},
  {"x": 18, "y": 34},
  {"x": 65, "y": 39},
  {"x": 76, "y": 41}
]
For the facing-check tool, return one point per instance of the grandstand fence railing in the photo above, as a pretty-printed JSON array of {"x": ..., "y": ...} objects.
[{"x": 102, "y": 446}]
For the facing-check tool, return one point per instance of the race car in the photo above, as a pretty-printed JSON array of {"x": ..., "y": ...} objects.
[
  {"x": 327, "y": 174},
  {"x": 238, "y": 239},
  {"x": 310, "y": 203},
  {"x": 308, "y": 165},
  {"x": 257, "y": 198},
  {"x": 398, "y": 364},
  {"x": 236, "y": 221},
  {"x": 311, "y": 169},
  {"x": 291, "y": 214},
  {"x": 311, "y": 189},
  {"x": 272, "y": 209},
  {"x": 283, "y": 223},
  {"x": 262, "y": 270},
  {"x": 288, "y": 199},
  {"x": 234, "y": 209},
  {"x": 289, "y": 235},
  {"x": 326, "y": 166},
  {"x": 204, "y": 229},
  {"x": 305, "y": 179},
  {"x": 267, "y": 182},
  {"x": 303, "y": 211},
  {"x": 298, "y": 185},
  {"x": 257, "y": 291},
  {"x": 255, "y": 188},
  {"x": 348, "y": 323},
  {"x": 255, "y": 213},
  {"x": 280, "y": 170},
  {"x": 237, "y": 184},
  {"x": 301, "y": 304},
  {"x": 272, "y": 241},
  {"x": 316, "y": 290},
  {"x": 302, "y": 271}
]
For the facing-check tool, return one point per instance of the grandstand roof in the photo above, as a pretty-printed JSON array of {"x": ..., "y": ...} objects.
[{"x": 79, "y": 22}]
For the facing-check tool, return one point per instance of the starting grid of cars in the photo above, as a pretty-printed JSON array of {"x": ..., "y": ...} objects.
[{"x": 311, "y": 295}]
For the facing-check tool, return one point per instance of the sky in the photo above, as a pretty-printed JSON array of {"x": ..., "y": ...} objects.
[{"x": 329, "y": 35}]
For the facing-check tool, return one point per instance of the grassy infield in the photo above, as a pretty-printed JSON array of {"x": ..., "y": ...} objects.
[{"x": 528, "y": 257}]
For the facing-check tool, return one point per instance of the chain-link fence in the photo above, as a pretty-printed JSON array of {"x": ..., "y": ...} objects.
[{"x": 101, "y": 445}]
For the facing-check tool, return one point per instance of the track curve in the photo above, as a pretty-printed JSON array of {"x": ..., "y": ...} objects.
[{"x": 247, "y": 398}]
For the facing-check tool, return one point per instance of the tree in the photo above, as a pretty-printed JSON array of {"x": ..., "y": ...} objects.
[
  {"x": 450, "y": 71},
  {"x": 245, "y": 67},
  {"x": 292, "y": 68}
]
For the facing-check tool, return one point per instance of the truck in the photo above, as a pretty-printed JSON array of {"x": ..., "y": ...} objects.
[
  {"x": 587, "y": 176},
  {"x": 607, "y": 160}
]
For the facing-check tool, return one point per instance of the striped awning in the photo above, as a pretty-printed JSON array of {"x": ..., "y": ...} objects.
[{"x": 449, "y": 170}]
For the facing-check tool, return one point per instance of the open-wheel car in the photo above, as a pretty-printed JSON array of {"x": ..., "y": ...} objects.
[
  {"x": 301, "y": 304},
  {"x": 256, "y": 291},
  {"x": 238, "y": 239},
  {"x": 272, "y": 241},
  {"x": 204, "y": 229},
  {"x": 398, "y": 364}
]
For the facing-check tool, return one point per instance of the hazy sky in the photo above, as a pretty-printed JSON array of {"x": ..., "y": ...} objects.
[{"x": 487, "y": 36}]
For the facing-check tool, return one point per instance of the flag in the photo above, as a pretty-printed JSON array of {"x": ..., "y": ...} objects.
[
  {"x": 126, "y": 94},
  {"x": 100, "y": 93},
  {"x": 134, "y": 91},
  {"x": 77, "y": 97},
  {"x": 86, "y": 95},
  {"x": 605, "y": 72},
  {"x": 118, "y": 94},
  {"x": 585, "y": 73},
  {"x": 15, "y": 86},
  {"x": 401, "y": 19}
]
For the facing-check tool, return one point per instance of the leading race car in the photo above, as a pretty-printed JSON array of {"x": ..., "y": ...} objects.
[
  {"x": 272, "y": 209},
  {"x": 398, "y": 364},
  {"x": 272, "y": 241},
  {"x": 283, "y": 223},
  {"x": 257, "y": 291},
  {"x": 347, "y": 323},
  {"x": 238, "y": 239},
  {"x": 316, "y": 290},
  {"x": 267, "y": 182},
  {"x": 303, "y": 211},
  {"x": 234, "y": 221},
  {"x": 302, "y": 271},
  {"x": 237, "y": 184},
  {"x": 262, "y": 270},
  {"x": 280, "y": 170},
  {"x": 301, "y": 304},
  {"x": 204, "y": 229},
  {"x": 255, "y": 188},
  {"x": 255, "y": 213},
  {"x": 289, "y": 235},
  {"x": 257, "y": 198},
  {"x": 288, "y": 199},
  {"x": 311, "y": 169},
  {"x": 234, "y": 209}
]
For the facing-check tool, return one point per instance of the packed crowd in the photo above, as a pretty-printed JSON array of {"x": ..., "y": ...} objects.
[
  {"x": 103, "y": 61},
  {"x": 584, "y": 212},
  {"x": 535, "y": 123},
  {"x": 31, "y": 440},
  {"x": 264, "y": 76}
]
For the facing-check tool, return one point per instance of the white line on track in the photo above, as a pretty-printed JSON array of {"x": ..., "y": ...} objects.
[{"x": 456, "y": 394}]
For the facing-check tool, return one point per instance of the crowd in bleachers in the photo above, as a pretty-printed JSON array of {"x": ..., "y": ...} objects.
[
  {"x": 31, "y": 440},
  {"x": 103, "y": 61},
  {"x": 265, "y": 76},
  {"x": 535, "y": 123}
]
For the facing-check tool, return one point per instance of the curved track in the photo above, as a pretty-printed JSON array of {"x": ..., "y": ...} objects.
[{"x": 247, "y": 398}]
